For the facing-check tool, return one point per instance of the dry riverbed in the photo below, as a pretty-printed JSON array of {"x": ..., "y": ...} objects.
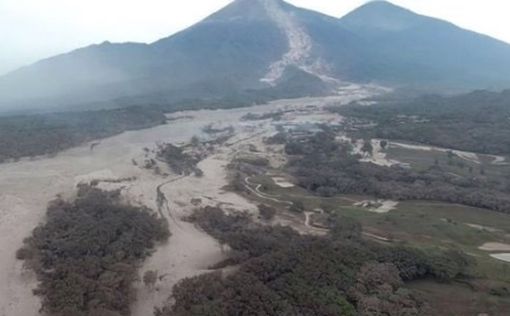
[{"x": 28, "y": 185}]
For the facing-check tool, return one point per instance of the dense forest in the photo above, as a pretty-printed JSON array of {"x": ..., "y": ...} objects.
[
  {"x": 34, "y": 135},
  {"x": 327, "y": 167},
  {"x": 477, "y": 122},
  {"x": 87, "y": 253},
  {"x": 281, "y": 272}
]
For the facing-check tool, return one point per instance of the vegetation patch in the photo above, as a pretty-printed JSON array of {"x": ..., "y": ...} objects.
[
  {"x": 34, "y": 135},
  {"x": 87, "y": 253},
  {"x": 476, "y": 122},
  {"x": 275, "y": 116},
  {"x": 284, "y": 273},
  {"x": 44, "y": 134},
  {"x": 327, "y": 167},
  {"x": 179, "y": 161}
]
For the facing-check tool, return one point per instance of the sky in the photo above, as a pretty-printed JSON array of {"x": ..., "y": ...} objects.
[{"x": 34, "y": 29}]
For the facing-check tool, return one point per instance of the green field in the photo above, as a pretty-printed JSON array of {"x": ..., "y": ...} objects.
[
  {"x": 422, "y": 224},
  {"x": 427, "y": 225},
  {"x": 460, "y": 299},
  {"x": 431, "y": 225}
]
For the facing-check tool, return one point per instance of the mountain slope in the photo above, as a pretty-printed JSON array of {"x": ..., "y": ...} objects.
[
  {"x": 93, "y": 67},
  {"x": 253, "y": 45},
  {"x": 402, "y": 46},
  {"x": 222, "y": 52}
]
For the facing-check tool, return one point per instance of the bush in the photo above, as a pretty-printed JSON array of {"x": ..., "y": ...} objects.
[
  {"x": 150, "y": 278},
  {"x": 266, "y": 212}
]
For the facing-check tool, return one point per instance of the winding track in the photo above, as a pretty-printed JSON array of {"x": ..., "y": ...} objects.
[
  {"x": 162, "y": 201},
  {"x": 258, "y": 193}
]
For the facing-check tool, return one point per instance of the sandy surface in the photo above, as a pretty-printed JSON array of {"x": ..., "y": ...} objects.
[
  {"x": 377, "y": 157},
  {"x": 378, "y": 206},
  {"x": 483, "y": 228},
  {"x": 376, "y": 237},
  {"x": 499, "y": 160},
  {"x": 502, "y": 256},
  {"x": 469, "y": 156},
  {"x": 282, "y": 182},
  {"x": 495, "y": 246},
  {"x": 27, "y": 186}
]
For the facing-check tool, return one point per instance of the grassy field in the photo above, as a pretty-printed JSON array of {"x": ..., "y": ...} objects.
[
  {"x": 460, "y": 299},
  {"x": 438, "y": 225},
  {"x": 422, "y": 224},
  {"x": 426, "y": 225}
]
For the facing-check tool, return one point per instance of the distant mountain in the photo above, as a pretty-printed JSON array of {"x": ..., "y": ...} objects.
[
  {"x": 403, "y": 47},
  {"x": 272, "y": 47}
]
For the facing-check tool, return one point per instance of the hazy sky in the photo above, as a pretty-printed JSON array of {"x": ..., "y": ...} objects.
[{"x": 35, "y": 29}]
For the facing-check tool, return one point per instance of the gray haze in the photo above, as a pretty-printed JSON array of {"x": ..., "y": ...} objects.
[{"x": 32, "y": 29}]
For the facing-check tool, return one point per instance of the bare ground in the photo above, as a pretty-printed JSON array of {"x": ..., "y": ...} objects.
[
  {"x": 495, "y": 246},
  {"x": 28, "y": 185}
]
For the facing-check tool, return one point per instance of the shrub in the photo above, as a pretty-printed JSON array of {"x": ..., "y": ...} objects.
[{"x": 266, "y": 212}]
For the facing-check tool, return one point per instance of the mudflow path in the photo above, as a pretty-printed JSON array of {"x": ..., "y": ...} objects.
[{"x": 28, "y": 185}]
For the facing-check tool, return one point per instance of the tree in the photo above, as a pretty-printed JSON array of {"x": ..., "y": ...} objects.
[
  {"x": 195, "y": 141},
  {"x": 199, "y": 173},
  {"x": 266, "y": 212},
  {"x": 343, "y": 227},
  {"x": 367, "y": 147},
  {"x": 150, "y": 278},
  {"x": 384, "y": 144},
  {"x": 378, "y": 292}
]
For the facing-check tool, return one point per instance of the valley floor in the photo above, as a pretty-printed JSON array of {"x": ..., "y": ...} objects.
[
  {"x": 118, "y": 163},
  {"x": 28, "y": 185}
]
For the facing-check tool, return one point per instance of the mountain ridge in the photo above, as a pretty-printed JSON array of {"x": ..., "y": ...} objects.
[{"x": 248, "y": 45}]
